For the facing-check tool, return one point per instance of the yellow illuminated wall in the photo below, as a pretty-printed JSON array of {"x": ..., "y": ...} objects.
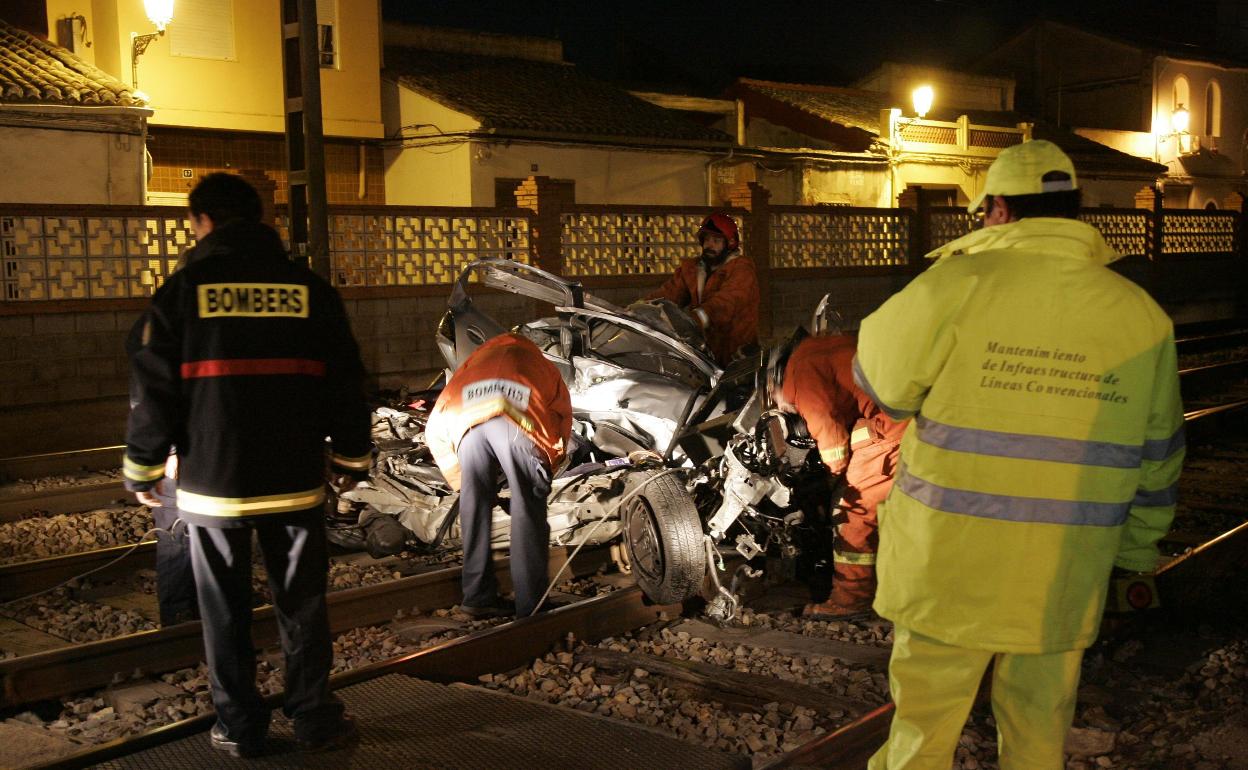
[
  {"x": 59, "y": 9},
  {"x": 244, "y": 94},
  {"x": 433, "y": 173},
  {"x": 455, "y": 171}
]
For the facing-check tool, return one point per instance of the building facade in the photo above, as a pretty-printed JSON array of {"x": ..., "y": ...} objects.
[
  {"x": 69, "y": 133},
  {"x": 213, "y": 83},
  {"x": 470, "y": 115},
  {"x": 1185, "y": 109}
]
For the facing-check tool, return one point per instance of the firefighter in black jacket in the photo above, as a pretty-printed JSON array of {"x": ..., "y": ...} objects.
[{"x": 247, "y": 364}]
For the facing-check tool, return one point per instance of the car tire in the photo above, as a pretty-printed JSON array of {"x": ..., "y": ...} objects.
[{"x": 663, "y": 534}]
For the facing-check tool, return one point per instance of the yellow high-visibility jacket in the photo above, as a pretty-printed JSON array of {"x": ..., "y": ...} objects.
[{"x": 1047, "y": 444}]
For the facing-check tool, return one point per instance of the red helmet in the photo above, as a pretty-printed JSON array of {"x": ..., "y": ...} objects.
[{"x": 720, "y": 224}]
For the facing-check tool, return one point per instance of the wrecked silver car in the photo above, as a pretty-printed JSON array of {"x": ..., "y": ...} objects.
[{"x": 671, "y": 459}]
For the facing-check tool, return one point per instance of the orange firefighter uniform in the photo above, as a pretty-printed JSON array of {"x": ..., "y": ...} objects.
[
  {"x": 725, "y": 301},
  {"x": 856, "y": 439},
  {"x": 506, "y": 409},
  {"x": 507, "y": 376}
]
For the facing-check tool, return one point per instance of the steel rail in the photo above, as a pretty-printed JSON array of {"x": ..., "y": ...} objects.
[
  {"x": 464, "y": 659},
  {"x": 847, "y": 748},
  {"x": 75, "y": 668},
  {"x": 52, "y": 463},
  {"x": 1198, "y": 415},
  {"x": 1218, "y": 368},
  {"x": 25, "y": 578},
  {"x": 1201, "y": 343},
  {"x": 1211, "y": 381},
  {"x": 72, "y": 499}
]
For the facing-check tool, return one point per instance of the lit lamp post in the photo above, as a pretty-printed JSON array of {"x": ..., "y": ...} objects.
[
  {"x": 1180, "y": 119},
  {"x": 159, "y": 13},
  {"x": 922, "y": 98}
]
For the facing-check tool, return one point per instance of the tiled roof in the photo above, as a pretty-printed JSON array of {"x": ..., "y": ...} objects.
[
  {"x": 861, "y": 109},
  {"x": 848, "y": 107},
  {"x": 33, "y": 71},
  {"x": 516, "y": 96},
  {"x": 1088, "y": 155}
]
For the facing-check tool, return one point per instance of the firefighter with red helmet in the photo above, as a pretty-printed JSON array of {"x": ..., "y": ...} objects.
[
  {"x": 719, "y": 288},
  {"x": 813, "y": 378}
]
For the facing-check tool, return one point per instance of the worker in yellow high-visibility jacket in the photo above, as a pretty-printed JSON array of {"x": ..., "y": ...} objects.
[{"x": 1045, "y": 451}]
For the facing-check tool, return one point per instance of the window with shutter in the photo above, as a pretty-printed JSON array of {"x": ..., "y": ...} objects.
[{"x": 327, "y": 33}]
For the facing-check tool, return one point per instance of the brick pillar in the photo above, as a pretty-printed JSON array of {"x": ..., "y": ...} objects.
[
  {"x": 546, "y": 197},
  {"x": 1157, "y": 225},
  {"x": 756, "y": 200},
  {"x": 268, "y": 193},
  {"x": 1146, "y": 198},
  {"x": 1158, "y": 221}
]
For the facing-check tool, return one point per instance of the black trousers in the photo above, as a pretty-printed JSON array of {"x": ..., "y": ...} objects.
[
  {"x": 175, "y": 582},
  {"x": 495, "y": 445},
  {"x": 297, "y": 561}
]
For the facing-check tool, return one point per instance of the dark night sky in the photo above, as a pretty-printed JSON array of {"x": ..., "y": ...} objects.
[{"x": 702, "y": 47}]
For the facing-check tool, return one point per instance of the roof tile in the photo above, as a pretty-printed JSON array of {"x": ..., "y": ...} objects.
[
  {"x": 542, "y": 97},
  {"x": 848, "y": 107},
  {"x": 861, "y": 109},
  {"x": 35, "y": 71}
]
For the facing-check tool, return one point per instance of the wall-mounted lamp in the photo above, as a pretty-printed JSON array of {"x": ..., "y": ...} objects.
[
  {"x": 922, "y": 97},
  {"x": 159, "y": 13},
  {"x": 1180, "y": 120}
]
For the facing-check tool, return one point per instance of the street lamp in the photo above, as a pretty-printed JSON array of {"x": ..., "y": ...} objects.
[
  {"x": 159, "y": 13},
  {"x": 922, "y": 97},
  {"x": 1180, "y": 119}
]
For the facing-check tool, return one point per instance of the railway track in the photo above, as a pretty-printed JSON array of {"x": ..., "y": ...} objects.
[
  {"x": 53, "y": 463},
  {"x": 636, "y": 635},
  {"x": 60, "y": 482},
  {"x": 1197, "y": 340},
  {"x": 589, "y": 635},
  {"x": 54, "y": 665},
  {"x": 462, "y": 659},
  {"x": 1196, "y": 557},
  {"x": 25, "y": 578},
  {"x": 68, "y": 669},
  {"x": 1214, "y": 383}
]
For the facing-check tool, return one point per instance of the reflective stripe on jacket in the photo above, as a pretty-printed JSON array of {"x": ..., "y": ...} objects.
[
  {"x": 1048, "y": 442},
  {"x": 506, "y": 376},
  {"x": 246, "y": 362},
  {"x": 725, "y": 303},
  {"x": 819, "y": 382}
]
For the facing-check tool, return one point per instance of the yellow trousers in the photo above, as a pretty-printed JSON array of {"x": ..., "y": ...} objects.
[{"x": 934, "y": 686}]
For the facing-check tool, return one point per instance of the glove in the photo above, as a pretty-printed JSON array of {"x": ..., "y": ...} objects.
[{"x": 839, "y": 488}]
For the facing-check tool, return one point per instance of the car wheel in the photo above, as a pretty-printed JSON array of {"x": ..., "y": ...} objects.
[{"x": 664, "y": 537}]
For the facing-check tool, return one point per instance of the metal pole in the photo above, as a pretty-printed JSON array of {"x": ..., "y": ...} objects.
[{"x": 305, "y": 140}]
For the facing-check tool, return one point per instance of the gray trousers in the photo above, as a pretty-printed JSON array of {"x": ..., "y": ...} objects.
[{"x": 499, "y": 445}]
